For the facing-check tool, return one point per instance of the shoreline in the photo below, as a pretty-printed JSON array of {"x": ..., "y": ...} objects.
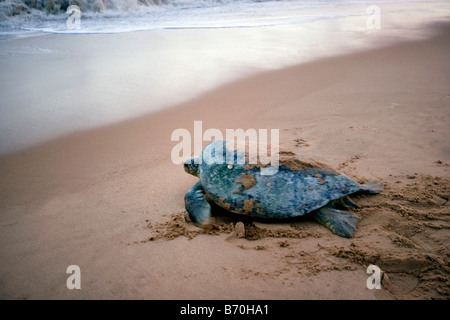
[{"x": 95, "y": 198}]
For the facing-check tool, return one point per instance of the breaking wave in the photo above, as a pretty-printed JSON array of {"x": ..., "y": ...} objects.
[{"x": 10, "y": 8}]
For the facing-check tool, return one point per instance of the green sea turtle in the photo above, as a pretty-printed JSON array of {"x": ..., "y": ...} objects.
[{"x": 300, "y": 186}]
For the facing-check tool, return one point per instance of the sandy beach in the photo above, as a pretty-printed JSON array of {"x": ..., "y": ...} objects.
[{"x": 111, "y": 201}]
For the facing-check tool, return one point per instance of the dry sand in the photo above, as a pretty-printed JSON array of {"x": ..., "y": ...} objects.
[{"x": 110, "y": 200}]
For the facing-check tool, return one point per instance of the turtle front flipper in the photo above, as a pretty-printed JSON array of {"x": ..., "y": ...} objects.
[
  {"x": 342, "y": 223},
  {"x": 196, "y": 205}
]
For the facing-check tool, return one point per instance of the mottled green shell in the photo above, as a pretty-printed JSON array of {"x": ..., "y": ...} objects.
[{"x": 298, "y": 187}]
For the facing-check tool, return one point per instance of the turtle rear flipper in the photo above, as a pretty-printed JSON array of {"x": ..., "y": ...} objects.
[
  {"x": 344, "y": 203},
  {"x": 342, "y": 223},
  {"x": 196, "y": 205},
  {"x": 371, "y": 187}
]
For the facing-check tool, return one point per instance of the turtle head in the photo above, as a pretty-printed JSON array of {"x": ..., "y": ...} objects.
[{"x": 191, "y": 166}]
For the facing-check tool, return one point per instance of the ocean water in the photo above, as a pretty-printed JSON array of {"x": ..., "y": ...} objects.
[
  {"x": 112, "y": 16},
  {"x": 130, "y": 58}
]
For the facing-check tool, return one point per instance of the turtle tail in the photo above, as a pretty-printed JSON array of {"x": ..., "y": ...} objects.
[{"x": 371, "y": 187}]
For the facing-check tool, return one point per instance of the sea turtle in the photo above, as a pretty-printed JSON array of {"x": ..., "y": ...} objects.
[{"x": 299, "y": 186}]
